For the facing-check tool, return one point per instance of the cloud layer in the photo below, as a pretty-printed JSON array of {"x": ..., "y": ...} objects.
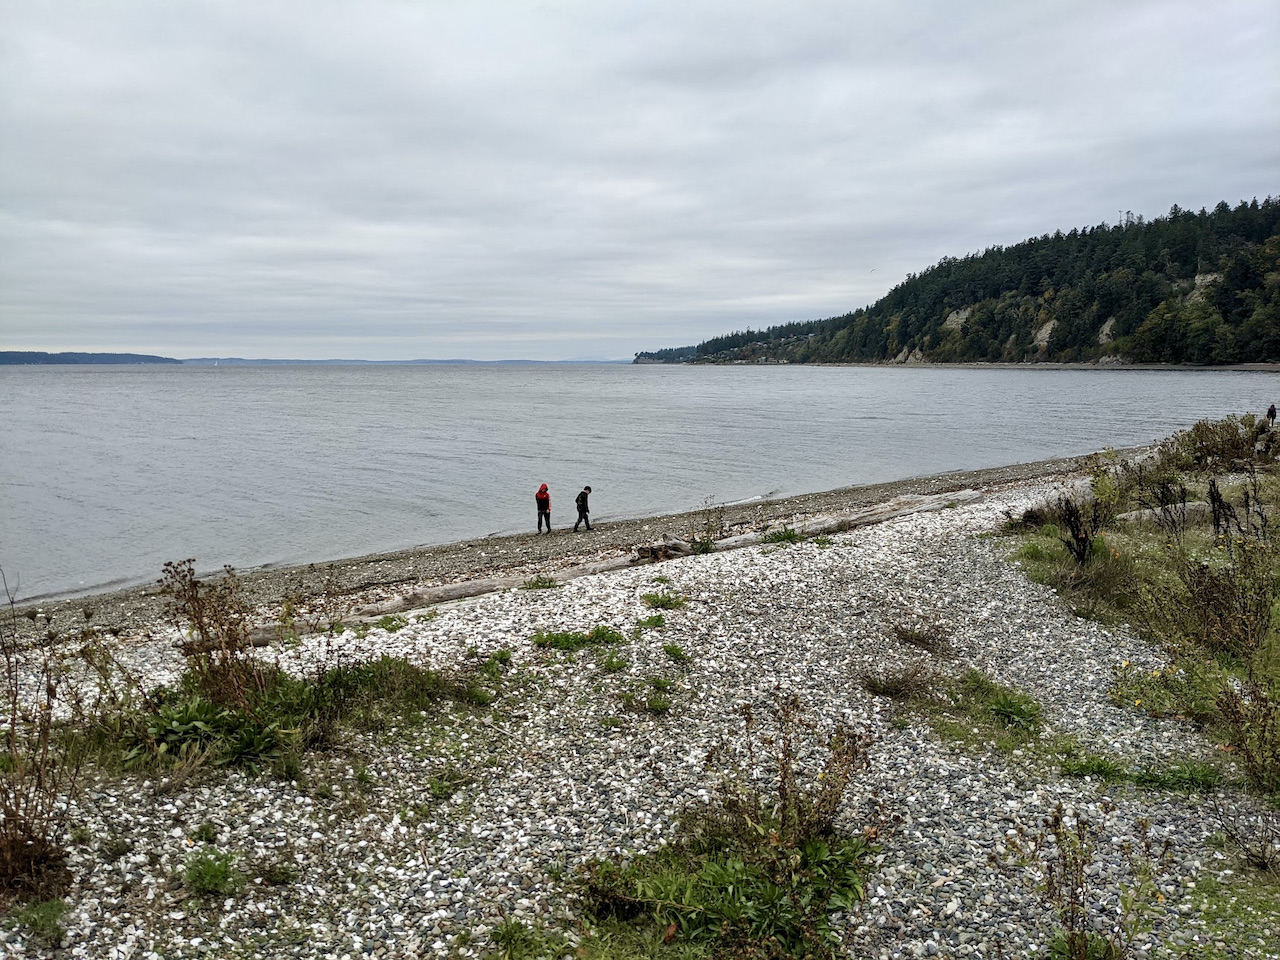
[{"x": 568, "y": 179}]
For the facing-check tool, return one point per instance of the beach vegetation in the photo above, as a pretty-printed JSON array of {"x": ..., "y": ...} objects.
[
  {"x": 910, "y": 682},
  {"x": 571, "y": 641},
  {"x": 1203, "y": 584},
  {"x": 41, "y": 921},
  {"x": 663, "y": 600},
  {"x": 210, "y": 875},
  {"x": 707, "y": 526},
  {"x": 929, "y": 637},
  {"x": 391, "y": 623},
  {"x": 539, "y": 582},
  {"x": 748, "y": 874},
  {"x": 39, "y": 764},
  {"x": 822, "y": 542},
  {"x": 786, "y": 535},
  {"x": 676, "y": 653},
  {"x": 657, "y": 704},
  {"x": 974, "y": 709},
  {"x": 611, "y": 662},
  {"x": 1061, "y": 860},
  {"x": 655, "y": 622}
]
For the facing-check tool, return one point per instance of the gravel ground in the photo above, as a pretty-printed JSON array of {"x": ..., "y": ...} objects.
[{"x": 561, "y": 770}]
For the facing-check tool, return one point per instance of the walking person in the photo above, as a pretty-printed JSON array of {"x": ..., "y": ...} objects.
[
  {"x": 583, "y": 509},
  {"x": 543, "y": 499},
  {"x": 1271, "y": 415}
]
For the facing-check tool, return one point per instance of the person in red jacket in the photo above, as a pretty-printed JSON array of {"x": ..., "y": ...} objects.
[{"x": 543, "y": 499}]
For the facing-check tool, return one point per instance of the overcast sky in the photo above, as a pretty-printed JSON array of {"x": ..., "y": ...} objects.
[{"x": 551, "y": 180}]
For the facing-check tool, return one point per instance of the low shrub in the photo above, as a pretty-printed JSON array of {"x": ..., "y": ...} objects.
[
  {"x": 39, "y": 769},
  {"x": 1185, "y": 777}
]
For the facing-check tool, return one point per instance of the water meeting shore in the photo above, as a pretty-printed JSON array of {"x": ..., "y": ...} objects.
[{"x": 375, "y": 577}]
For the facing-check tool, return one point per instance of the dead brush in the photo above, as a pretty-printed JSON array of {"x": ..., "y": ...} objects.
[
  {"x": 39, "y": 776},
  {"x": 1251, "y": 714},
  {"x": 216, "y": 620},
  {"x": 1254, "y": 834},
  {"x": 929, "y": 637},
  {"x": 915, "y": 681},
  {"x": 800, "y": 812}
]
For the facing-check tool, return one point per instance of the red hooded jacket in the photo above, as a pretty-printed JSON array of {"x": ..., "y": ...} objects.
[{"x": 543, "y": 499}]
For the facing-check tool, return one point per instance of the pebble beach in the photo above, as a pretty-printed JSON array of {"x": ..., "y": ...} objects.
[{"x": 418, "y": 842}]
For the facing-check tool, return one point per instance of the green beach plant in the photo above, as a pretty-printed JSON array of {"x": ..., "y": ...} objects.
[{"x": 664, "y": 600}]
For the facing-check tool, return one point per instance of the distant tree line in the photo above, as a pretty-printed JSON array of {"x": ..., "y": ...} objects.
[
  {"x": 19, "y": 357},
  {"x": 1196, "y": 288}
]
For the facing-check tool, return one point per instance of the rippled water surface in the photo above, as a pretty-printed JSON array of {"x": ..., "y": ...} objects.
[{"x": 106, "y": 472}]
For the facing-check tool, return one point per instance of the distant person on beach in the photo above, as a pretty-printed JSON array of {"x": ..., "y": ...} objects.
[
  {"x": 1271, "y": 415},
  {"x": 543, "y": 499},
  {"x": 583, "y": 509}
]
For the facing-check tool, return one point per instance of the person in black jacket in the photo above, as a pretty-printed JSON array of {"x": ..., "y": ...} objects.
[{"x": 583, "y": 509}]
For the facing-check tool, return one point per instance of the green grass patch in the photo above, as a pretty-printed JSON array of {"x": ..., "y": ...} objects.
[
  {"x": 573, "y": 640},
  {"x": 975, "y": 710},
  {"x": 1239, "y": 912},
  {"x": 717, "y": 892},
  {"x": 540, "y": 582},
  {"x": 612, "y": 662},
  {"x": 676, "y": 653},
  {"x": 291, "y": 715},
  {"x": 42, "y": 921},
  {"x": 664, "y": 600},
  {"x": 785, "y": 535},
  {"x": 211, "y": 875},
  {"x": 1181, "y": 777},
  {"x": 657, "y": 704},
  {"x": 655, "y": 622}
]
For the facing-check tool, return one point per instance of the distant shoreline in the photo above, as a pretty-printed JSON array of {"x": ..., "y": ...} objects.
[{"x": 42, "y": 359}]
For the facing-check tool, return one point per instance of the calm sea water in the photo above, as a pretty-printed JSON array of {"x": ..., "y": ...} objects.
[{"x": 107, "y": 472}]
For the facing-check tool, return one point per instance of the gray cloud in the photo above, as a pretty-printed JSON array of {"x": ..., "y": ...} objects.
[{"x": 566, "y": 179}]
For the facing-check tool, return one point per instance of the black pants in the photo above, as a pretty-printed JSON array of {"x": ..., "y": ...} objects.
[
  {"x": 582, "y": 518},
  {"x": 544, "y": 515}
]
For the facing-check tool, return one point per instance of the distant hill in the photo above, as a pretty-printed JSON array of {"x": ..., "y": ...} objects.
[
  {"x": 12, "y": 357},
  {"x": 1195, "y": 288}
]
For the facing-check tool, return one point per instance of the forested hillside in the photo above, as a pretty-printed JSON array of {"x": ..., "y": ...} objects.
[{"x": 1196, "y": 288}]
